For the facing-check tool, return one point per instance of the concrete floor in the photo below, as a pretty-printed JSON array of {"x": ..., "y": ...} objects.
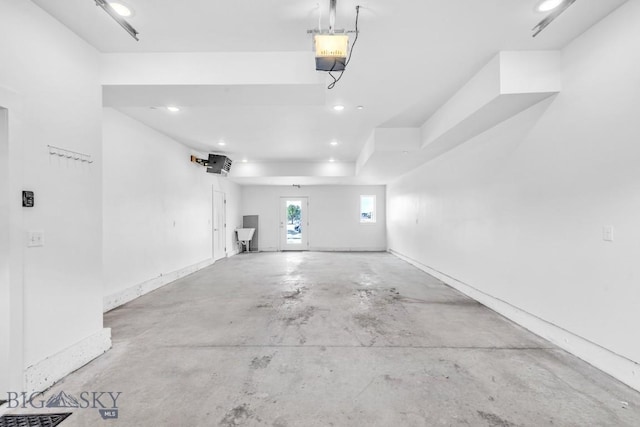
[{"x": 335, "y": 339}]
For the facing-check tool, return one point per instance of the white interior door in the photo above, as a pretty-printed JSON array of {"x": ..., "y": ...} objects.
[
  {"x": 219, "y": 225},
  {"x": 294, "y": 223}
]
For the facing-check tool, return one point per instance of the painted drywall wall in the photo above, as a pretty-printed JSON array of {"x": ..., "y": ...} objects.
[
  {"x": 518, "y": 212},
  {"x": 334, "y": 223},
  {"x": 157, "y": 205},
  {"x": 54, "y": 74}
]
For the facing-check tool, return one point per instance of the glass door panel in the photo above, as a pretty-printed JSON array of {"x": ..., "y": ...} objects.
[{"x": 293, "y": 223}]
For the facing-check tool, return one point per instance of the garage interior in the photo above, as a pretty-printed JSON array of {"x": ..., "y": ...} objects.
[{"x": 445, "y": 232}]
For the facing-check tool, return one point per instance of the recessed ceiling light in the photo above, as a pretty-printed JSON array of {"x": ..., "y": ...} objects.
[
  {"x": 548, "y": 5},
  {"x": 222, "y": 143},
  {"x": 120, "y": 9},
  {"x": 360, "y": 107},
  {"x": 334, "y": 143},
  {"x": 244, "y": 160},
  {"x": 338, "y": 107},
  {"x": 173, "y": 108},
  {"x": 332, "y": 160}
]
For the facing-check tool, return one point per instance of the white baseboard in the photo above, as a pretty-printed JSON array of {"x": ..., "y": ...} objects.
[
  {"x": 122, "y": 297},
  {"x": 619, "y": 367},
  {"x": 47, "y": 372},
  {"x": 329, "y": 249},
  {"x": 332, "y": 249}
]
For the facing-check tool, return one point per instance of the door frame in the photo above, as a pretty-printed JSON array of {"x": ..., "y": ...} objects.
[
  {"x": 13, "y": 330},
  {"x": 282, "y": 223},
  {"x": 222, "y": 234}
]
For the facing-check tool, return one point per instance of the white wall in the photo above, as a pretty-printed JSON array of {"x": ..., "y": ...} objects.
[
  {"x": 157, "y": 205},
  {"x": 518, "y": 212},
  {"x": 54, "y": 74},
  {"x": 333, "y": 216}
]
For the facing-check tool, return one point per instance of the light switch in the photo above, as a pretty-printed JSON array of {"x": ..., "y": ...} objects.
[
  {"x": 35, "y": 239},
  {"x": 607, "y": 233}
]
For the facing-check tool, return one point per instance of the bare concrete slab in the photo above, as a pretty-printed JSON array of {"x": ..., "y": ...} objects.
[{"x": 334, "y": 339}]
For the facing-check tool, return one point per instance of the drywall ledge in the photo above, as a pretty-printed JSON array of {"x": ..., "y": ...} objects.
[
  {"x": 292, "y": 169},
  {"x": 510, "y": 83},
  {"x": 390, "y": 152},
  {"x": 119, "y": 298},
  {"x": 44, "y": 374},
  {"x": 619, "y": 367},
  {"x": 209, "y": 68}
]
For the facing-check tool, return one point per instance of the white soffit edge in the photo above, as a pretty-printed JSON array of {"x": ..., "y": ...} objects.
[
  {"x": 510, "y": 83},
  {"x": 290, "y": 169},
  {"x": 389, "y": 152}
]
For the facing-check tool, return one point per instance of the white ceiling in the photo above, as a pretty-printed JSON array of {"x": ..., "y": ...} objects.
[{"x": 412, "y": 55}]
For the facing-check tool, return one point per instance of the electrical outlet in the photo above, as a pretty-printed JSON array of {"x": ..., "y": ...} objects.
[
  {"x": 35, "y": 239},
  {"x": 607, "y": 233}
]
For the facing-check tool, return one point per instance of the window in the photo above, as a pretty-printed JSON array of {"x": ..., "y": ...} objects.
[{"x": 367, "y": 209}]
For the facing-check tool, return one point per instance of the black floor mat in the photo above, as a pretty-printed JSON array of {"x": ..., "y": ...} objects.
[{"x": 32, "y": 420}]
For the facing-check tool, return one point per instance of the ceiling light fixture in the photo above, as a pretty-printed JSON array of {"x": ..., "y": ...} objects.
[
  {"x": 332, "y": 46},
  {"x": 173, "y": 108},
  {"x": 244, "y": 160},
  {"x": 338, "y": 107},
  {"x": 360, "y": 107},
  {"x": 120, "y": 9},
  {"x": 556, "y": 7},
  {"x": 332, "y": 160},
  {"x": 119, "y": 19},
  {"x": 548, "y": 5},
  {"x": 334, "y": 143},
  {"x": 222, "y": 143}
]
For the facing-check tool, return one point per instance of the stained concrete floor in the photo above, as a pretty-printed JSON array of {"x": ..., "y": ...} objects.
[{"x": 335, "y": 339}]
